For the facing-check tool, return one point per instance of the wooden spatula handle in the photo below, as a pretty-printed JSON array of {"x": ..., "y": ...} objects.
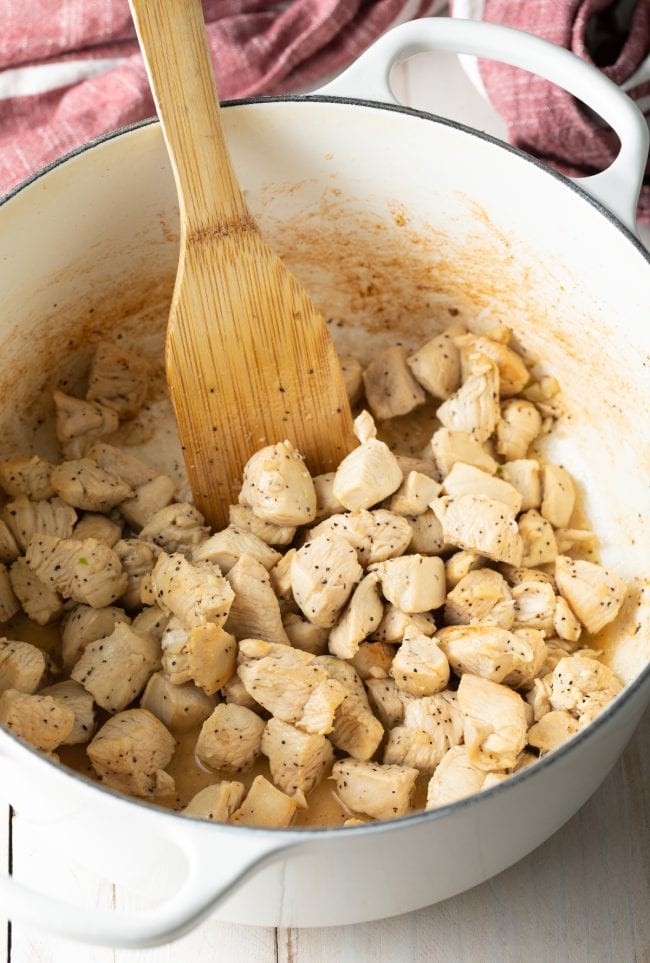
[{"x": 174, "y": 43}]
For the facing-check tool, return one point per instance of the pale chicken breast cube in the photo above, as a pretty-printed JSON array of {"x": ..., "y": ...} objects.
[
  {"x": 427, "y": 537},
  {"x": 484, "y": 650},
  {"x": 414, "y": 494},
  {"x": 217, "y": 802},
  {"x": 395, "y": 623},
  {"x": 432, "y": 724},
  {"x": 298, "y": 760},
  {"x": 100, "y": 527},
  {"x": 565, "y": 622},
  {"x": 455, "y": 777},
  {"x": 234, "y": 693},
  {"x": 355, "y": 729},
  {"x": 583, "y": 687},
  {"x": 390, "y": 388},
  {"x": 40, "y": 720},
  {"x": 280, "y": 576},
  {"x": 459, "y": 565},
  {"x": 424, "y": 465},
  {"x": 22, "y": 666},
  {"x": 9, "y": 604},
  {"x": 319, "y": 714},
  {"x": 26, "y": 475},
  {"x": 352, "y": 371},
  {"x": 480, "y": 596},
  {"x": 534, "y": 606},
  {"x": 572, "y": 539},
  {"x": 436, "y": 365},
  {"x": 524, "y": 476},
  {"x": 482, "y": 525},
  {"x": 413, "y": 583},
  {"x": 150, "y": 621},
  {"x": 495, "y": 722},
  {"x": 388, "y": 701},
  {"x": 531, "y": 652},
  {"x": 83, "y": 484},
  {"x": 558, "y": 495},
  {"x": 367, "y": 475},
  {"x": 346, "y": 674},
  {"x": 373, "y": 660},
  {"x": 50, "y": 516},
  {"x": 326, "y": 503},
  {"x": 382, "y": 792},
  {"x": 225, "y": 548},
  {"x": 324, "y": 573},
  {"x": 116, "y": 669},
  {"x": 87, "y": 571},
  {"x": 195, "y": 594},
  {"x": 451, "y": 447},
  {"x": 230, "y": 738},
  {"x": 474, "y": 408},
  {"x": 467, "y": 480},
  {"x": 552, "y": 730},
  {"x": 149, "y": 498},
  {"x": 9, "y": 550},
  {"x": 594, "y": 594},
  {"x": 538, "y": 696},
  {"x": 304, "y": 635},
  {"x": 361, "y": 617},
  {"x": 84, "y": 624},
  {"x": 375, "y": 535},
  {"x": 115, "y": 461},
  {"x": 420, "y": 667},
  {"x": 205, "y": 654},
  {"x": 265, "y": 806},
  {"x": 130, "y": 752},
  {"x": 179, "y": 707},
  {"x": 246, "y": 520},
  {"x": 255, "y": 611},
  {"x": 278, "y": 487},
  {"x": 513, "y": 373},
  {"x": 80, "y": 422},
  {"x": 520, "y": 424},
  {"x": 73, "y": 695},
  {"x": 117, "y": 380},
  {"x": 40, "y": 602},
  {"x": 515, "y": 575},
  {"x": 179, "y": 527},
  {"x": 138, "y": 559}
]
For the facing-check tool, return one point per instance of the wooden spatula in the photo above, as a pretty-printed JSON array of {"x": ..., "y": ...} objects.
[{"x": 249, "y": 359}]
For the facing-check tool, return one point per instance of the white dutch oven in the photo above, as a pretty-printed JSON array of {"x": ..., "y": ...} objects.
[{"x": 394, "y": 220}]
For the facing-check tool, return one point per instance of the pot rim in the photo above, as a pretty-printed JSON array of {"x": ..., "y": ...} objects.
[{"x": 568, "y": 748}]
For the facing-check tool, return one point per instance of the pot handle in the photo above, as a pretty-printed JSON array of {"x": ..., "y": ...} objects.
[
  {"x": 617, "y": 188},
  {"x": 199, "y": 894}
]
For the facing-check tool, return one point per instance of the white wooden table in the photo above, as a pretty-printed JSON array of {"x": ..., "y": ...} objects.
[{"x": 583, "y": 897}]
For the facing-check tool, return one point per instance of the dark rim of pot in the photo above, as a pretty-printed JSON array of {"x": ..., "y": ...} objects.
[{"x": 529, "y": 772}]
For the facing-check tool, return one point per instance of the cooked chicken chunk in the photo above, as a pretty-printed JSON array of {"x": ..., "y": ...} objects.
[
  {"x": 426, "y": 534},
  {"x": 455, "y": 777},
  {"x": 570, "y": 539},
  {"x": 9, "y": 604},
  {"x": 225, "y": 548},
  {"x": 352, "y": 371},
  {"x": 265, "y": 806},
  {"x": 216, "y": 802},
  {"x": 304, "y": 635},
  {"x": 179, "y": 707},
  {"x": 130, "y": 752},
  {"x": 467, "y": 480},
  {"x": 520, "y": 424},
  {"x": 459, "y": 565},
  {"x": 565, "y": 623},
  {"x": 391, "y": 389},
  {"x": 206, "y": 655},
  {"x": 99, "y": 527},
  {"x": 437, "y": 365},
  {"x": 484, "y": 650},
  {"x": 280, "y": 576},
  {"x": 176, "y": 528},
  {"x": 323, "y": 575},
  {"x": 117, "y": 380},
  {"x": 297, "y": 760},
  {"x": 84, "y": 624},
  {"x": 137, "y": 559},
  {"x": 431, "y": 726},
  {"x": 413, "y": 583},
  {"x": 355, "y": 729},
  {"x": 9, "y": 551},
  {"x": 195, "y": 594},
  {"x": 474, "y": 408},
  {"x": 524, "y": 476},
  {"x": 552, "y": 730},
  {"x": 80, "y": 422},
  {"x": 375, "y": 535},
  {"x": 46, "y": 517},
  {"x": 38, "y": 719},
  {"x": 594, "y": 594},
  {"x": 74, "y": 696},
  {"x": 534, "y": 606},
  {"x": 414, "y": 494},
  {"x": 361, "y": 617},
  {"x": 278, "y": 487},
  {"x": 495, "y": 722},
  {"x": 482, "y": 525},
  {"x": 246, "y": 520},
  {"x": 234, "y": 693},
  {"x": 26, "y": 475},
  {"x": 480, "y": 596},
  {"x": 583, "y": 687},
  {"x": 149, "y": 499},
  {"x": 40, "y": 602},
  {"x": 326, "y": 503},
  {"x": 22, "y": 666},
  {"x": 373, "y": 660},
  {"x": 395, "y": 623},
  {"x": 115, "y": 461},
  {"x": 513, "y": 373},
  {"x": 424, "y": 465},
  {"x": 420, "y": 667},
  {"x": 451, "y": 447},
  {"x": 255, "y": 611},
  {"x": 83, "y": 484},
  {"x": 150, "y": 621},
  {"x": 369, "y": 473},
  {"x": 85, "y": 571},
  {"x": 116, "y": 669},
  {"x": 531, "y": 653},
  {"x": 388, "y": 701},
  {"x": 382, "y": 792},
  {"x": 515, "y": 575},
  {"x": 230, "y": 739},
  {"x": 558, "y": 495}
]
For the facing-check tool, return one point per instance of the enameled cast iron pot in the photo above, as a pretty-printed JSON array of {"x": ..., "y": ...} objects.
[{"x": 394, "y": 220}]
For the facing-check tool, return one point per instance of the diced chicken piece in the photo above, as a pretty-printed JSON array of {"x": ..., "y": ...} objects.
[
  {"x": 515, "y": 576},
  {"x": 413, "y": 583},
  {"x": 280, "y": 576},
  {"x": 74, "y": 696},
  {"x": 382, "y": 792},
  {"x": 40, "y": 720},
  {"x": 520, "y": 424},
  {"x": 455, "y": 777},
  {"x": 265, "y": 806},
  {"x": 474, "y": 408},
  {"x": 395, "y": 623},
  {"x": 137, "y": 559},
  {"x": 22, "y": 666},
  {"x": 46, "y": 517},
  {"x": 420, "y": 667},
  {"x": 149, "y": 499},
  {"x": 542, "y": 390},
  {"x": 321, "y": 707},
  {"x": 9, "y": 550},
  {"x": 375, "y": 535},
  {"x": 552, "y": 730},
  {"x": 513, "y": 373},
  {"x": 467, "y": 480},
  {"x": 531, "y": 651},
  {"x": 217, "y": 802},
  {"x": 195, "y": 594},
  {"x": 234, "y": 693},
  {"x": 583, "y": 686},
  {"x": 391, "y": 389},
  {"x": 176, "y": 528},
  {"x": 525, "y": 759},
  {"x": 278, "y": 487},
  {"x": 414, "y": 494},
  {"x": 116, "y": 669},
  {"x": 130, "y": 752},
  {"x": 99, "y": 527},
  {"x": 558, "y": 495},
  {"x": 437, "y": 365},
  {"x": 424, "y": 465},
  {"x": 565, "y": 623},
  {"x": 369, "y": 473},
  {"x": 431, "y": 726},
  {"x": 84, "y": 624},
  {"x": 83, "y": 484},
  {"x": 451, "y": 447},
  {"x": 40, "y": 602},
  {"x": 495, "y": 722},
  {"x": 594, "y": 594},
  {"x": 569, "y": 539},
  {"x": 480, "y": 524},
  {"x": 355, "y": 729},
  {"x": 459, "y": 565},
  {"x": 524, "y": 476},
  {"x": 326, "y": 503},
  {"x": 483, "y": 650},
  {"x": 534, "y": 606},
  {"x": 538, "y": 696},
  {"x": 373, "y": 660},
  {"x": 225, "y": 548},
  {"x": 298, "y": 760},
  {"x": 179, "y": 707},
  {"x": 26, "y": 475},
  {"x": 151, "y": 621},
  {"x": 426, "y": 534},
  {"x": 388, "y": 701},
  {"x": 116, "y": 461},
  {"x": 323, "y": 575},
  {"x": 305, "y": 635},
  {"x": 85, "y": 571},
  {"x": 480, "y": 596},
  {"x": 245, "y": 519},
  {"x": 255, "y": 611},
  {"x": 206, "y": 655},
  {"x": 352, "y": 371},
  {"x": 9, "y": 604},
  {"x": 117, "y": 380},
  {"x": 80, "y": 422},
  {"x": 361, "y": 617},
  {"x": 346, "y": 674},
  {"x": 230, "y": 739}
]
